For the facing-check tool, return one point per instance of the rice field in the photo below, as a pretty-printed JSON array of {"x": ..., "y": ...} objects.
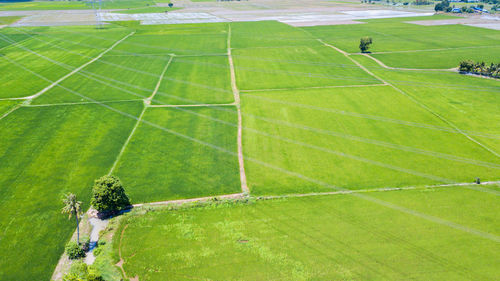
[{"x": 196, "y": 110}]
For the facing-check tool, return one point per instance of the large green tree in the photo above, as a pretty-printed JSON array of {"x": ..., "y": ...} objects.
[
  {"x": 73, "y": 207},
  {"x": 364, "y": 43},
  {"x": 108, "y": 195}
]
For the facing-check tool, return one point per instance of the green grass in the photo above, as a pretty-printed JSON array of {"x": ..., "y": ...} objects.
[
  {"x": 158, "y": 165},
  {"x": 195, "y": 80},
  {"x": 339, "y": 237},
  {"x": 40, "y": 162},
  {"x": 354, "y": 138}
]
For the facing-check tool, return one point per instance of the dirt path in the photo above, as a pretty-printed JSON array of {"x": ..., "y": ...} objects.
[
  {"x": 236, "y": 93},
  {"x": 347, "y": 55},
  {"x": 120, "y": 263},
  {"x": 148, "y": 100},
  {"x": 199, "y": 199}
]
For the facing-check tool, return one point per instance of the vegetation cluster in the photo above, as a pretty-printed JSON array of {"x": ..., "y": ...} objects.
[{"x": 480, "y": 68}]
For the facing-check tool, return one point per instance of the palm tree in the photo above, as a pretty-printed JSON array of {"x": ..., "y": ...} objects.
[{"x": 73, "y": 208}]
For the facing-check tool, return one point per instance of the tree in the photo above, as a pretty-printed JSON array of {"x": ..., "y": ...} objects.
[
  {"x": 73, "y": 207},
  {"x": 108, "y": 195},
  {"x": 170, "y": 5},
  {"x": 364, "y": 43}
]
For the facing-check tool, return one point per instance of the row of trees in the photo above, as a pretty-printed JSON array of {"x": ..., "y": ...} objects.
[{"x": 480, "y": 68}]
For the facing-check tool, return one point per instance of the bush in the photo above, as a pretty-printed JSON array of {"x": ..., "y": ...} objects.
[
  {"x": 108, "y": 195},
  {"x": 74, "y": 251},
  {"x": 364, "y": 43},
  {"x": 79, "y": 271}
]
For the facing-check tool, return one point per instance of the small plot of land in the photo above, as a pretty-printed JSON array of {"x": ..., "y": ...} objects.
[
  {"x": 322, "y": 238},
  {"x": 41, "y": 161},
  {"x": 189, "y": 39},
  {"x": 110, "y": 78},
  {"x": 470, "y": 103},
  {"x": 352, "y": 137},
  {"x": 196, "y": 80},
  {"x": 159, "y": 164}
]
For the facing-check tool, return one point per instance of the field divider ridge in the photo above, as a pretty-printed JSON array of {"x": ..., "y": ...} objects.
[
  {"x": 192, "y": 105},
  {"x": 237, "y": 102},
  {"x": 415, "y": 101},
  {"x": 147, "y": 101}
]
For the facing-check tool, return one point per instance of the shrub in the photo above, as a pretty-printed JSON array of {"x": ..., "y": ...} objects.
[
  {"x": 364, "y": 43},
  {"x": 108, "y": 195},
  {"x": 79, "y": 271},
  {"x": 74, "y": 251}
]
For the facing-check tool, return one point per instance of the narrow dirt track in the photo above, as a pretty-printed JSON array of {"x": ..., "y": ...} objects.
[{"x": 236, "y": 93}]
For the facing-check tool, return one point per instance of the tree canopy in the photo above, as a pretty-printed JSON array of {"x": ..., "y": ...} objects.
[{"x": 108, "y": 195}]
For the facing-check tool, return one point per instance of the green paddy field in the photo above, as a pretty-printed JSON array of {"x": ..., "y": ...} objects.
[{"x": 155, "y": 106}]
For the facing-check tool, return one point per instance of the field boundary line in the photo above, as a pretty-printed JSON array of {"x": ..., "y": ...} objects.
[
  {"x": 351, "y": 59},
  {"x": 382, "y": 189},
  {"x": 237, "y": 102},
  {"x": 147, "y": 101},
  {"x": 433, "y": 50},
  {"x": 313, "y": 87},
  {"x": 79, "y": 103},
  {"x": 416, "y": 101},
  {"x": 193, "y": 105},
  {"x": 78, "y": 68},
  {"x": 190, "y": 200},
  {"x": 10, "y": 111},
  {"x": 118, "y": 158}
]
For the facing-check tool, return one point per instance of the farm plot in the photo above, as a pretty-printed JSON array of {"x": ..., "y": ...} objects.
[
  {"x": 159, "y": 164},
  {"x": 334, "y": 237},
  {"x": 6, "y": 106},
  {"x": 40, "y": 161},
  {"x": 109, "y": 78},
  {"x": 398, "y": 36},
  {"x": 47, "y": 56},
  {"x": 470, "y": 103},
  {"x": 196, "y": 80},
  {"x": 295, "y": 67},
  {"x": 195, "y": 39},
  {"x": 265, "y": 34},
  {"x": 354, "y": 138}
]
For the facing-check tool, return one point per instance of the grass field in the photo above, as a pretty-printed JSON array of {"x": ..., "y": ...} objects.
[
  {"x": 411, "y": 45},
  {"x": 339, "y": 237},
  {"x": 373, "y": 136},
  {"x": 160, "y": 166},
  {"x": 313, "y": 120}
]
